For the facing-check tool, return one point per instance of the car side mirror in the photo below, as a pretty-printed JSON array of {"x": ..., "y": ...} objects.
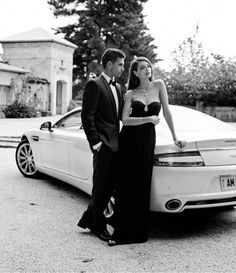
[{"x": 46, "y": 126}]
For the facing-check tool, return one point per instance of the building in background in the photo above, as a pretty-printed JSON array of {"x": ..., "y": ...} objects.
[
  {"x": 8, "y": 74},
  {"x": 36, "y": 67}
]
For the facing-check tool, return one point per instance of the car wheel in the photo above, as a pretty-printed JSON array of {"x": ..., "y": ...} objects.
[{"x": 25, "y": 160}]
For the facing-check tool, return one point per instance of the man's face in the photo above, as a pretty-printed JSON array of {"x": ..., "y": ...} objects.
[{"x": 117, "y": 67}]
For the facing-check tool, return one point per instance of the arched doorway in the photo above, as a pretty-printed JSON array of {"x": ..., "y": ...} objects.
[{"x": 59, "y": 95}]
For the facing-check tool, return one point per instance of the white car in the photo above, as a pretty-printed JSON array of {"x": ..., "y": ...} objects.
[{"x": 201, "y": 175}]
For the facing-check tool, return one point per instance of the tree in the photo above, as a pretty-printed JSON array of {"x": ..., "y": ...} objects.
[
  {"x": 200, "y": 79},
  {"x": 191, "y": 62},
  {"x": 102, "y": 24}
]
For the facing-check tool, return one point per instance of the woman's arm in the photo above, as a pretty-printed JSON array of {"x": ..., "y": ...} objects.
[
  {"x": 165, "y": 106},
  {"x": 134, "y": 121},
  {"x": 166, "y": 111}
]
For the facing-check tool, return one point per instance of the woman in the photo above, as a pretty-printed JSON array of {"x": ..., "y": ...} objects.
[{"x": 143, "y": 103}]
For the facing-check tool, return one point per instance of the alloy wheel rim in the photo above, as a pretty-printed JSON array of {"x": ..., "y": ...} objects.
[{"x": 26, "y": 160}]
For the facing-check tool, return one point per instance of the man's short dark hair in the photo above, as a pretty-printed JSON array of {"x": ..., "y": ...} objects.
[{"x": 112, "y": 54}]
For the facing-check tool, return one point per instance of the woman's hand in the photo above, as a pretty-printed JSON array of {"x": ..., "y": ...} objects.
[
  {"x": 180, "y": 143},
  {"x": 155, "y": 119}
]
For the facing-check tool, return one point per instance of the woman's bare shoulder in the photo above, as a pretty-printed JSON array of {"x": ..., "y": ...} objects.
[{"x": 158, "y": 83}]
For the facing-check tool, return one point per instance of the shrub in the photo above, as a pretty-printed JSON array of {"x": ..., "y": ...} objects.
[
  {"x": 19, "y": 110},
  {"x": 208, "y": 98},
  {"x": 182, "y": 97},
  {"x": 218, "y": 98}
]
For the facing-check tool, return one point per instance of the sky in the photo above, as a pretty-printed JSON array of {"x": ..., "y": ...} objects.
[{"x": 169, "y": 22}]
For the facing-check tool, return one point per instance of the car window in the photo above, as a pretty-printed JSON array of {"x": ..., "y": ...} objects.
[{"x": 70, "y": 121}]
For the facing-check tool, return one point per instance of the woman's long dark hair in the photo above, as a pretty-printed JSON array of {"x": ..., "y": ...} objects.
[{"x": 133, "y": 80}]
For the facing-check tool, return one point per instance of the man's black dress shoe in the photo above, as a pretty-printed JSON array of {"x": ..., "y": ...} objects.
[
  {"x": 101, "y": 234},
  {"x": 84, "y": 224}
]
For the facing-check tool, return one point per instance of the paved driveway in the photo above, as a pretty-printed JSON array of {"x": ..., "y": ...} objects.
[
  {"x": 12, "y": 129},
  {"x": 15, "y": 127},
  {"x": 38, "y": 234}
]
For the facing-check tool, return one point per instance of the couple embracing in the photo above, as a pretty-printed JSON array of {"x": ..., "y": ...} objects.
[{"x": 122, "y": 161}]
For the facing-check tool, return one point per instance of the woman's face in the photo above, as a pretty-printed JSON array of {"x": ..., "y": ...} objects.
[{"x": 144, "y": 70}]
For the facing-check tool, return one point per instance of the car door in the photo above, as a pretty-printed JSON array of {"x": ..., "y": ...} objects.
[
  {"x": 54, "y": 147},
  {"x": 80, "y": 155}
]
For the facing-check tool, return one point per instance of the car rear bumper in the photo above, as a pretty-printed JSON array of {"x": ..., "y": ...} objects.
[{"x": 193, "y": 187}]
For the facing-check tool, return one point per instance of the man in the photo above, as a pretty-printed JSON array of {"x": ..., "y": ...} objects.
[{"x": 101, "y": 113}]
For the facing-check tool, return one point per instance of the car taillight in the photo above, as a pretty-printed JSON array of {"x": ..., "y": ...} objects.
[{"x": 179, "y": 159}]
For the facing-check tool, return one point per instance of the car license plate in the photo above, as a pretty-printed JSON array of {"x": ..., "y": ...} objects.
[{"x": 228, "y": 183}]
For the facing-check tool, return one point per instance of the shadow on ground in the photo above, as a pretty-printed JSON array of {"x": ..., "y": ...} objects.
[
  {"x": 201, "y": 222},
  {"x": 64, "y": 187},
  {"x": 190, "y": 223}
]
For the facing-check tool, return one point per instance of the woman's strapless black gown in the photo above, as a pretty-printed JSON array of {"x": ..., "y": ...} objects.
[{"x": 132, "y": 198}]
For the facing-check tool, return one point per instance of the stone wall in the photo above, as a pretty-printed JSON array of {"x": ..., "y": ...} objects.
[{"x": 224, "y": 113}]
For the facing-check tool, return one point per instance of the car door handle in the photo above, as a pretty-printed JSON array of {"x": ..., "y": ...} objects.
[{"x": 35, "y": 138}]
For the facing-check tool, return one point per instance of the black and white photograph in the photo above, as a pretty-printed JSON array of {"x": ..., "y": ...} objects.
[{"x": 117, "y": 136}]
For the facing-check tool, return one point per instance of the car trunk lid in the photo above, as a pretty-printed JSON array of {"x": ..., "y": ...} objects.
[{"x": 218, "y": 152}]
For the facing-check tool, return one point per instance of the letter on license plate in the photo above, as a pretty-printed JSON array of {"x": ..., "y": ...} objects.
[{"x": 228, "y": 183}]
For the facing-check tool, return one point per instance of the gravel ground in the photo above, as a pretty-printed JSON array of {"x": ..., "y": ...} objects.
[
  {"x": 15, "y": 127},
  {"x": 38, "y": 233}
]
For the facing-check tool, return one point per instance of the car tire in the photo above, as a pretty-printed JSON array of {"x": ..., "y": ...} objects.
[{"x": 25, "y": 160}]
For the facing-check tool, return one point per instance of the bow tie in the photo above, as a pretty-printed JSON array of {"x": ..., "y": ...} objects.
[{"x": 113, "y": 82}]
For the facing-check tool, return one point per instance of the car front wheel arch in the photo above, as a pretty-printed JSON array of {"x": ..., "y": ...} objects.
[{"x": 25, "y": 159}]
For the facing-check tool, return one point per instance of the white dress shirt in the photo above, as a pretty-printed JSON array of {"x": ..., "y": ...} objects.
[{"x": 113, "y": 89}]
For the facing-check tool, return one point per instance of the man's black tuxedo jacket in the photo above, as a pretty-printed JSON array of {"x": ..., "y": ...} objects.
[{"x": 99, "y": 115}]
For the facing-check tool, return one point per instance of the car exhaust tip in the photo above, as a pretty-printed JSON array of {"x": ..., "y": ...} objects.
[{"x": 173, "y": 204}]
